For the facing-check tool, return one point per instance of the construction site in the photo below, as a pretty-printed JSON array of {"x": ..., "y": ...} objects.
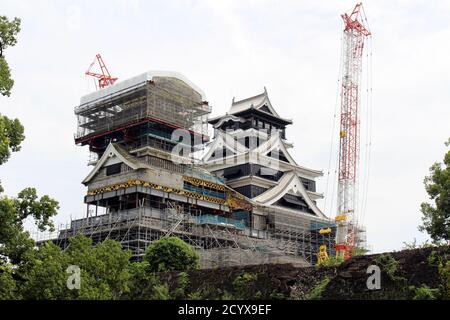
[{"x": 238, "y": 197}]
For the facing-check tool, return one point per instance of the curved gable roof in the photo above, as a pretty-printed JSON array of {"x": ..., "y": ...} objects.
[
  {"x": 114, "y": 150},
  {"x": 255, "y": 102},
  {"x": 290, "y": 182},
  {"x": 221, "y": 141}
]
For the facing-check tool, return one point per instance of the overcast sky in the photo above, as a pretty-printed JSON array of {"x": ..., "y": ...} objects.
[{"x": 234, "y": 49}]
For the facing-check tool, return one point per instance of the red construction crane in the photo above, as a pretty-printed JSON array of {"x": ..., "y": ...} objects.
[
  {"x": 104, "y": 78},
  {"x": 355, "y": 32}
]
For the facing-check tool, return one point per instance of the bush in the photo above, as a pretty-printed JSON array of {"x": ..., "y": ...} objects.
[
  {"x": 388, "y": 264},
  {"x": 161, "y": 292},
  {"x": 424, "y": 293},
  {"x": 331, "y": 262},
  {"x": 182, "y": 285},
  {"x": 319, "y": 288},
  {"x": 442, "y": 262},
  {"x": 170, "y": 254},
  {"x": 242, "y": 285},
  {"x": 444, "y": 273},
  {"x": 141, "y": 282}
]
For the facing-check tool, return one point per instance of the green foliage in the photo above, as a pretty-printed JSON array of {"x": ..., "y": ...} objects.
[
  {"x": 317, "y": 291},
  {"x": 213, "y": 293},
  {"x": 442, "y": 262},
  {"x": 196, "y": 295},
  {"x": 359, "y": 252},
  {"x": 433, "y": 258},
  {"x": 160, "y": 292},
  {"x": 436, "y": 217},
  {"x": 243, "y": 280},
  {"x": 388, "y": 265},
  {"x": 170, "y": 254},
  {"x": 182, "y": 285},
  {"x": 275, "y": 295},
  {"x": 141, "y": 281},
  {"x": 332, "y": 261},
  {"x": 227, "y": 296},
  {"x": 6, "y": 82},
  {"x": 424, "y": 293},
  {"x": 242, "y": 285},
  {"x": 110, "y": 267},
  {"x": 8, "y": 32},
  {"x": 414, "y": 245},
  {"x": 44, "y": 274},
  {"x": 104, "y": 270},
  {"x": 14, "y": 241},
  {"x": 8, "y": 38},
  {"x": 444, "y": 274},
  {"x": 8, "y": 286},
  {"x": 11, "y": 136},
  {"x": 145, "y": 285},
  {"x": 28, "y": 205}
]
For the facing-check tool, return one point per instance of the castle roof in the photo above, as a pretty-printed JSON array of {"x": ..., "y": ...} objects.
[
  {"x": 260, "y": 103},
  {"x": 131, "y": 83}
]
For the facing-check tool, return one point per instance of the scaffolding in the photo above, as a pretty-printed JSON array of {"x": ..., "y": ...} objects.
[
  {"x": 164, "y": 102},
  {"x": 298, "y": 235},
  {"x": 219, "y": 243},
  {"x": 136, "y": 228}
]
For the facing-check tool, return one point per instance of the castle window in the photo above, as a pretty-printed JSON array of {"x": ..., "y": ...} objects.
[{"x": 113, "y": 169}]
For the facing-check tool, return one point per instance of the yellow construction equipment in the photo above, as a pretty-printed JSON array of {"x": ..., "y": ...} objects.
[
  {"x": 322, "y": 256},
  {"x": 325, "y": 230}
]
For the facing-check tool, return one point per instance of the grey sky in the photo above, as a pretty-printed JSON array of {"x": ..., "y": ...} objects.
[{"x": 235, "y": 48}]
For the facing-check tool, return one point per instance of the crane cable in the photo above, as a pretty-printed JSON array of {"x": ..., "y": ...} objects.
[
  {"x": 362, "y": 197},
  {"x": 333, "y": 134},
  {"x": 369, "y": 125},
  {"x": 368, "y": 140}
]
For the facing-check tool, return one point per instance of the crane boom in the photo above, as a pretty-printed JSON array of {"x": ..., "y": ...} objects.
[{"x": 104, "y": 78}]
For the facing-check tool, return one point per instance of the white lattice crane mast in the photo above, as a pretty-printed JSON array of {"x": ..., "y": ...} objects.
[{"x": 355, "y": 33}]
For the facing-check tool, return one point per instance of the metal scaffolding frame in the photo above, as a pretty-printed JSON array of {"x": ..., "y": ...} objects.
[
  {"x": 165, "y": 100},
  {"x": 136, "y": 228}
]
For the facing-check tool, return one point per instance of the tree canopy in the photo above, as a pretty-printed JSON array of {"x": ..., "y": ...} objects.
[
  {"x": 104, "y": 271},
  {"x": 14, "y": 241},
  {"x": 11, "y": 136},
  {"x": 169, "y": 254},
  {"x": 436, "y": 216},
  {"x": 11, "y": 130},
  {"x": 8, "y": 38}
]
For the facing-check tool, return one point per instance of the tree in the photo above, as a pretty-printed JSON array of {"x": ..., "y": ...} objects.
[
  {"x": 436, "y": 217},
  {"x": 142, "y": 283},
  {"x": 169, "y": 254},
  {"x": 43, "y": 275},
  {"x": 11, "y": 136},
  {"x": 11, "y": 130},
  {"x": 8, "y": 287},
  {"x": 8, "y": 38},
  {"x": 14, "y": 241},
  {"x": 104, "y": 271}
]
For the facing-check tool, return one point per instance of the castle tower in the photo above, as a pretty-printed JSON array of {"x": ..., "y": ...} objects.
[
  {"x": 146, "y": 182},
  {"x": 143, "y": 133},
  {"x": 251, "y": 152}
]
